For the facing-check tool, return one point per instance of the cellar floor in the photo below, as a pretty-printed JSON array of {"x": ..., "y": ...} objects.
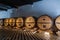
[{"x": 22, "y": 35}]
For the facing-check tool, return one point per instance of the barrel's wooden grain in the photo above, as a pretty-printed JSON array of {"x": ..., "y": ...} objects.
[
  {"x": 30, "y": 22},
  {"x": 44, "y": 22},
  {"x": 6, "y": 22},
  {"x": 19, "y": 22},
  {"x": 57, "y": 22},
  {"x": 11, "y": 21}
]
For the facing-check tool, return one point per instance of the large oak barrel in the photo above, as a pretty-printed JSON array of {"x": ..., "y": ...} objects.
[
  {"x": 57, "y": 22},
  {"x": 6, "y": 22},
  {"x": 1, "y": 22},
  {"x": 11, "y": 21},
  {"x": 44, "y": 22},
  {"x": 19, "y": 22},
  {"x": 30, "y": 22}
]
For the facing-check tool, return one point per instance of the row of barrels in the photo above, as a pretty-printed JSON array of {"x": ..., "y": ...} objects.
[{"x": 43, "y": 22}]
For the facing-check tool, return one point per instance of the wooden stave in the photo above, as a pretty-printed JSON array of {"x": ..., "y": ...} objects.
[
  {"x": 45, "y": 28},
  {"x": 6, "y": 22},
  {"x": 21, "y": 21},
  {"x": 57, "y": 22},
  {"x": 31, "y": 22},
  {"x": 1, "y": 22},
  {"x": 11, "y": 23}
]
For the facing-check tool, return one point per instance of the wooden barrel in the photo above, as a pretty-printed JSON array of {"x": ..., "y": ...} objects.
[
  {"x": 12, "y": 22},
  {"x": 44, "y": 22},
  {"x": 6, "y": 22},
  {"x": 57, "y": 22},
  {"x": 1, "y": 22},
  {"x": 30, "y": 22},
  {"x": 19, "y": 22}
]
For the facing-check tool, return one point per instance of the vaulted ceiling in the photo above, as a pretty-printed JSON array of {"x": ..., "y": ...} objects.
[{"x": 16, "y": 3}]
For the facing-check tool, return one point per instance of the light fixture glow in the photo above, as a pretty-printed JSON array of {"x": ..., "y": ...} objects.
[{"x": 47, "y": 35}]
